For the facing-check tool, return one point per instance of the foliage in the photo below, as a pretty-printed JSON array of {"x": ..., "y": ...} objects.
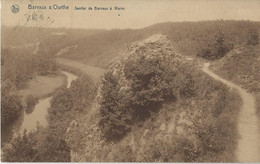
[
  {"x": 151, "y": 82},
  {"x": 252, "y": 37},
  {"x": 190, "y": 38},
  {"x": 116, "y": 115},
  {"x": 22, "y": 149},
  {"x": 30, "y": 103},
  {"x": 209, "y": 126},
  {"x": 99, "y": 47},
  {"x": 43, "y": 145},
  {"x": 242, "y": 73},
  {"x": 66, "y": 105},
  {"x": 11, "y": 107},
  {"x": 187, "y": 89},
  {"x": 217, "y": 49},
  {"x": 7, "y": 87},
  {"x": 49, "y": 144},
  {"x": 21, "y": 65},
  {"x": 74, "y": 98}
]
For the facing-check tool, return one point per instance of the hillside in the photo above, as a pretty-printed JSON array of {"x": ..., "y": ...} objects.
[
  {"x": 189, "y": 38},
  {"x": 153, "y": 105},
  {"x": 99, "y": 47},
  {"x": 48, "y": 40},
  {"x": 141, "y": 94},
  {"x": 242, "y": 66},
  {"x": 248, "y": 143}
]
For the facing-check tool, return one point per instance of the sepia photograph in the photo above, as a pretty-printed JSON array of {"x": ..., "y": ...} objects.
[{"x": 130, "y": 81}]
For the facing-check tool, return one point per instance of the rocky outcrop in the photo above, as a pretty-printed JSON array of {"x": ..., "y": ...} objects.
[
  {"x": 85, "y": 137},
  {"x": 156, "y": 47}
]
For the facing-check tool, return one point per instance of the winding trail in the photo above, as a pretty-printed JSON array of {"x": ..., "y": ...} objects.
[{"x": 248, "y": 148}]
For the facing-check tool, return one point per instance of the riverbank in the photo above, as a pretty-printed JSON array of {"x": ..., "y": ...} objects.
[
  {"x": 42, "y": 88},
  {"x": 39, "y": 116}
]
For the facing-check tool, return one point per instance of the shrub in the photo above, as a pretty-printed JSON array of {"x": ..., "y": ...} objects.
[
  {"x": 124, "y": 154},
  {"x": 62, "y": 101},
  {"x": 43, "y": 145},
  {"x": 252, "y": 37},
  {"x": 187, "y": 89},
  {"x": 150, "y": 82},
  {"x": 21, "y": 149},
  {"x": 48, "y": 144},
  {"x": 11, "y": 108},
  {"x": 216, "y": 49},
  {"x": 30, "y": 102},
  {"x": 115, "y": 116},
  {"x": 158, "y": 150}
]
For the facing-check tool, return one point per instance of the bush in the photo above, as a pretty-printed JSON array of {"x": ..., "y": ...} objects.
[
  {"x": 11, "y": 108},
  {"x": 30, "y": 102},
  {"x": 43, "y": 145},
  {"x": 48, "y": 144},
  {"x": 150, "y": 82},
  {"x": 115, "y": 114},
  {"x": 215, "y": 50},
  {"x": 173, "y": 148},
  {"x": 76, "y": 97},
  {"x": 21, "y": 149},
  {"x": 252, "y": 37},
  {"x": 124, "y": 154},
  {"x": 157, "y": 150},
  {"x": 62, "y": 101},
  {"x": 187, "y": 89}
]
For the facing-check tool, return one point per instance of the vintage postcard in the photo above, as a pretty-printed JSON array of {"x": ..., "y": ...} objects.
[{"x": 130, "y": 81}]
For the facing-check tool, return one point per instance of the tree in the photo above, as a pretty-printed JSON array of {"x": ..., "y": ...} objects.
[
  {"x": 43, "y": 145},
  {"x": 22, "y": 149},
  {"x": 216, "y": 49},
  {"x": 115, "y": 115},
  {"x": 252, "y": 37},
  {"x": 151, "y": 81},
  {"x": 30, "y": 102},
  {"x": 11, "y": 108}
]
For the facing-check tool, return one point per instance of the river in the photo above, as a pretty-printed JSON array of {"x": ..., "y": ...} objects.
[
  {"x": 30, "y": 121},
  {"x": 40, "y": 111}
]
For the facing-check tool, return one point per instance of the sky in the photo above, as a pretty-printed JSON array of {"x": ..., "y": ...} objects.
[{"x": 137, "y": 13}]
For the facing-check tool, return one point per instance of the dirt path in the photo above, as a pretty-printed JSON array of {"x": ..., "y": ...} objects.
[{"x": 248, "y": 149}]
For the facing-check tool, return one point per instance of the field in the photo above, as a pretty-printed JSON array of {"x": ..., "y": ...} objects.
[{"x": 42, "y": 86}]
